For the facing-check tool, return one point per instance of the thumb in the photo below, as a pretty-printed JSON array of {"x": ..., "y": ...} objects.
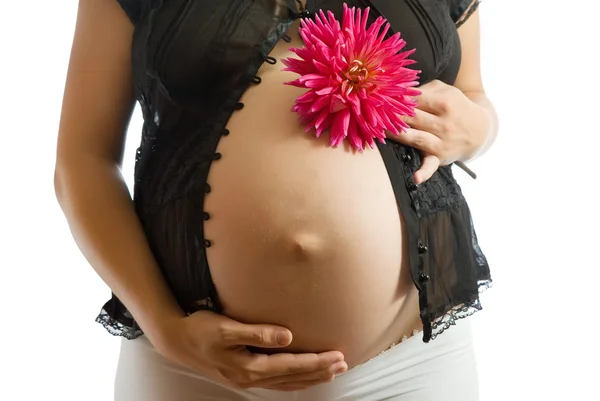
[
  {"x": 256, "y": 335},
  {"x": 429, "y": 165}
]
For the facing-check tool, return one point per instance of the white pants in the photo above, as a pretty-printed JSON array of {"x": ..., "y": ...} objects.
[{"x": 442, "y": 370}]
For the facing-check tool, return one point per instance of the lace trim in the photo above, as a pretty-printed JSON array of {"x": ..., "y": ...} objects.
[
  {"x": 130, "y": 330},
  {"x": 461, "y": 311},
  {"x": 471, "y": 8},
  {"x": 449, "y": 319},
  {"x": 116, "y": 328}
]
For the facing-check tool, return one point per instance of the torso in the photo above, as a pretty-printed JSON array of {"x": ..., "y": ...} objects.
[
  {"x": 304, "y": 235},
  {"x": 299, "y": 234}
]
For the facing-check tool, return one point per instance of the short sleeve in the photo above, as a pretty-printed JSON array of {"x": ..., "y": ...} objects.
[
  {"x": 133, "y": 9},
  {"x": 461, "y": 10}
]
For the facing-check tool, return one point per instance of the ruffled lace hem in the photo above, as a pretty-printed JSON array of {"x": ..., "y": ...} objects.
[
  {"x": 449, "y": 319},
  {"x": 461, "y": 311},
  {"x": 130, "y": 331}
]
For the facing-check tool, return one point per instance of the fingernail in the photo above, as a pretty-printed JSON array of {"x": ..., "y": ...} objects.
[
  {"x": 340, "y": 368},
  {"x": 283, "y": 338}
]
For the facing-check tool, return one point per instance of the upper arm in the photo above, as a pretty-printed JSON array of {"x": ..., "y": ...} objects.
[
  {"x": 98, "y": 98},
  {"x": 466, "y": 15}
]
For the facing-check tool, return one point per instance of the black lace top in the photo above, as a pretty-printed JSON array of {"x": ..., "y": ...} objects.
[{"x": 192, "y": 61}]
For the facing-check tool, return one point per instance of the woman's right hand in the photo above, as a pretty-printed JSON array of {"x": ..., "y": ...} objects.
[{"x": 216, "y": 346}]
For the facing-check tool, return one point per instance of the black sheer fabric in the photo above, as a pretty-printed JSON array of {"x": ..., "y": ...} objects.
[{"x": 192, "y": 61}]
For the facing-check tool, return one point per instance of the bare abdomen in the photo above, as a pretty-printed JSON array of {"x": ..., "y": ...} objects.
[{"x": 306, "y": 236}]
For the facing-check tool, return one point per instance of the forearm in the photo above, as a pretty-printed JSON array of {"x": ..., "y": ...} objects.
[
  {"x": 101, "y": 216},
  {"x": 489, "y": 129}
]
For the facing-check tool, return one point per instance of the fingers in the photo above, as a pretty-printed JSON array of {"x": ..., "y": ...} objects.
[
  {"x": 424, "y": 121},
  {"x": 284, "y": 371},
  {"x": 429, "y": 165},
  {"x": 304, "y": 379},
  {"x": 431, "y": 147},
  {"x": 257, "y": 335},
  {"x": 262, "y": 366},
  {"x": 430, "y": 103},
  {"x": 421, "y": 140},
  {"x": 431, "y": 99}
]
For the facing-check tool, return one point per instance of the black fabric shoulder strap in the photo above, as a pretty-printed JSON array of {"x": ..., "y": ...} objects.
[{"x": 461, "y": 10}]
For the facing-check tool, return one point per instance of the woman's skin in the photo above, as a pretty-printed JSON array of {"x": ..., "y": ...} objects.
[
  {"x": 453, "y": 123},
  {"x": 300, "y": 217},
  {"x": 97, "y": 106}
]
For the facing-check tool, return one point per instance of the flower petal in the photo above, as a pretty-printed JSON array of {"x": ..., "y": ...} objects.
[{"x": 358, "y": 80}]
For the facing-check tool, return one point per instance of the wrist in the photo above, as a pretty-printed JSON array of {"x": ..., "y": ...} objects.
[
  {"x": 485, "y": 125},
  {"x": 156, "y": 319},
  {"x": 474, "y": 147}
]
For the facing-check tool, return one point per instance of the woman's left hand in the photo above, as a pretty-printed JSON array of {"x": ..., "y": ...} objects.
[{"x": 448, "y": 127}]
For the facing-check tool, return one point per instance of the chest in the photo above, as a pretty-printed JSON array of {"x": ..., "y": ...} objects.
[{"x": 199, "y": 48}]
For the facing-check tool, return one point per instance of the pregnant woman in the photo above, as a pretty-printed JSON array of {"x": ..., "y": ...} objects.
[{"x": 256, "y": 262}]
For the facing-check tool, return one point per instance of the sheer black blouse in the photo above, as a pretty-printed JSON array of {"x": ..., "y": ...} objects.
[{"x": 192, "y": 60}]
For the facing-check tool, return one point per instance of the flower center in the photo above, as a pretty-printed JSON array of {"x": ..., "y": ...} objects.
[{"x": 357, "y": 73}]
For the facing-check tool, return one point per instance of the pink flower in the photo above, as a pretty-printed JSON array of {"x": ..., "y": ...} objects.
[{"x": 358, "y": 83}]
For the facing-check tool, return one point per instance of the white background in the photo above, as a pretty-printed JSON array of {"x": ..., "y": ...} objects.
[{"x": 535, "y": 206}]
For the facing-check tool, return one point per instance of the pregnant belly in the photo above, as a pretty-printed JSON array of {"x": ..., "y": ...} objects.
[{"x": 306, "y": 236}]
